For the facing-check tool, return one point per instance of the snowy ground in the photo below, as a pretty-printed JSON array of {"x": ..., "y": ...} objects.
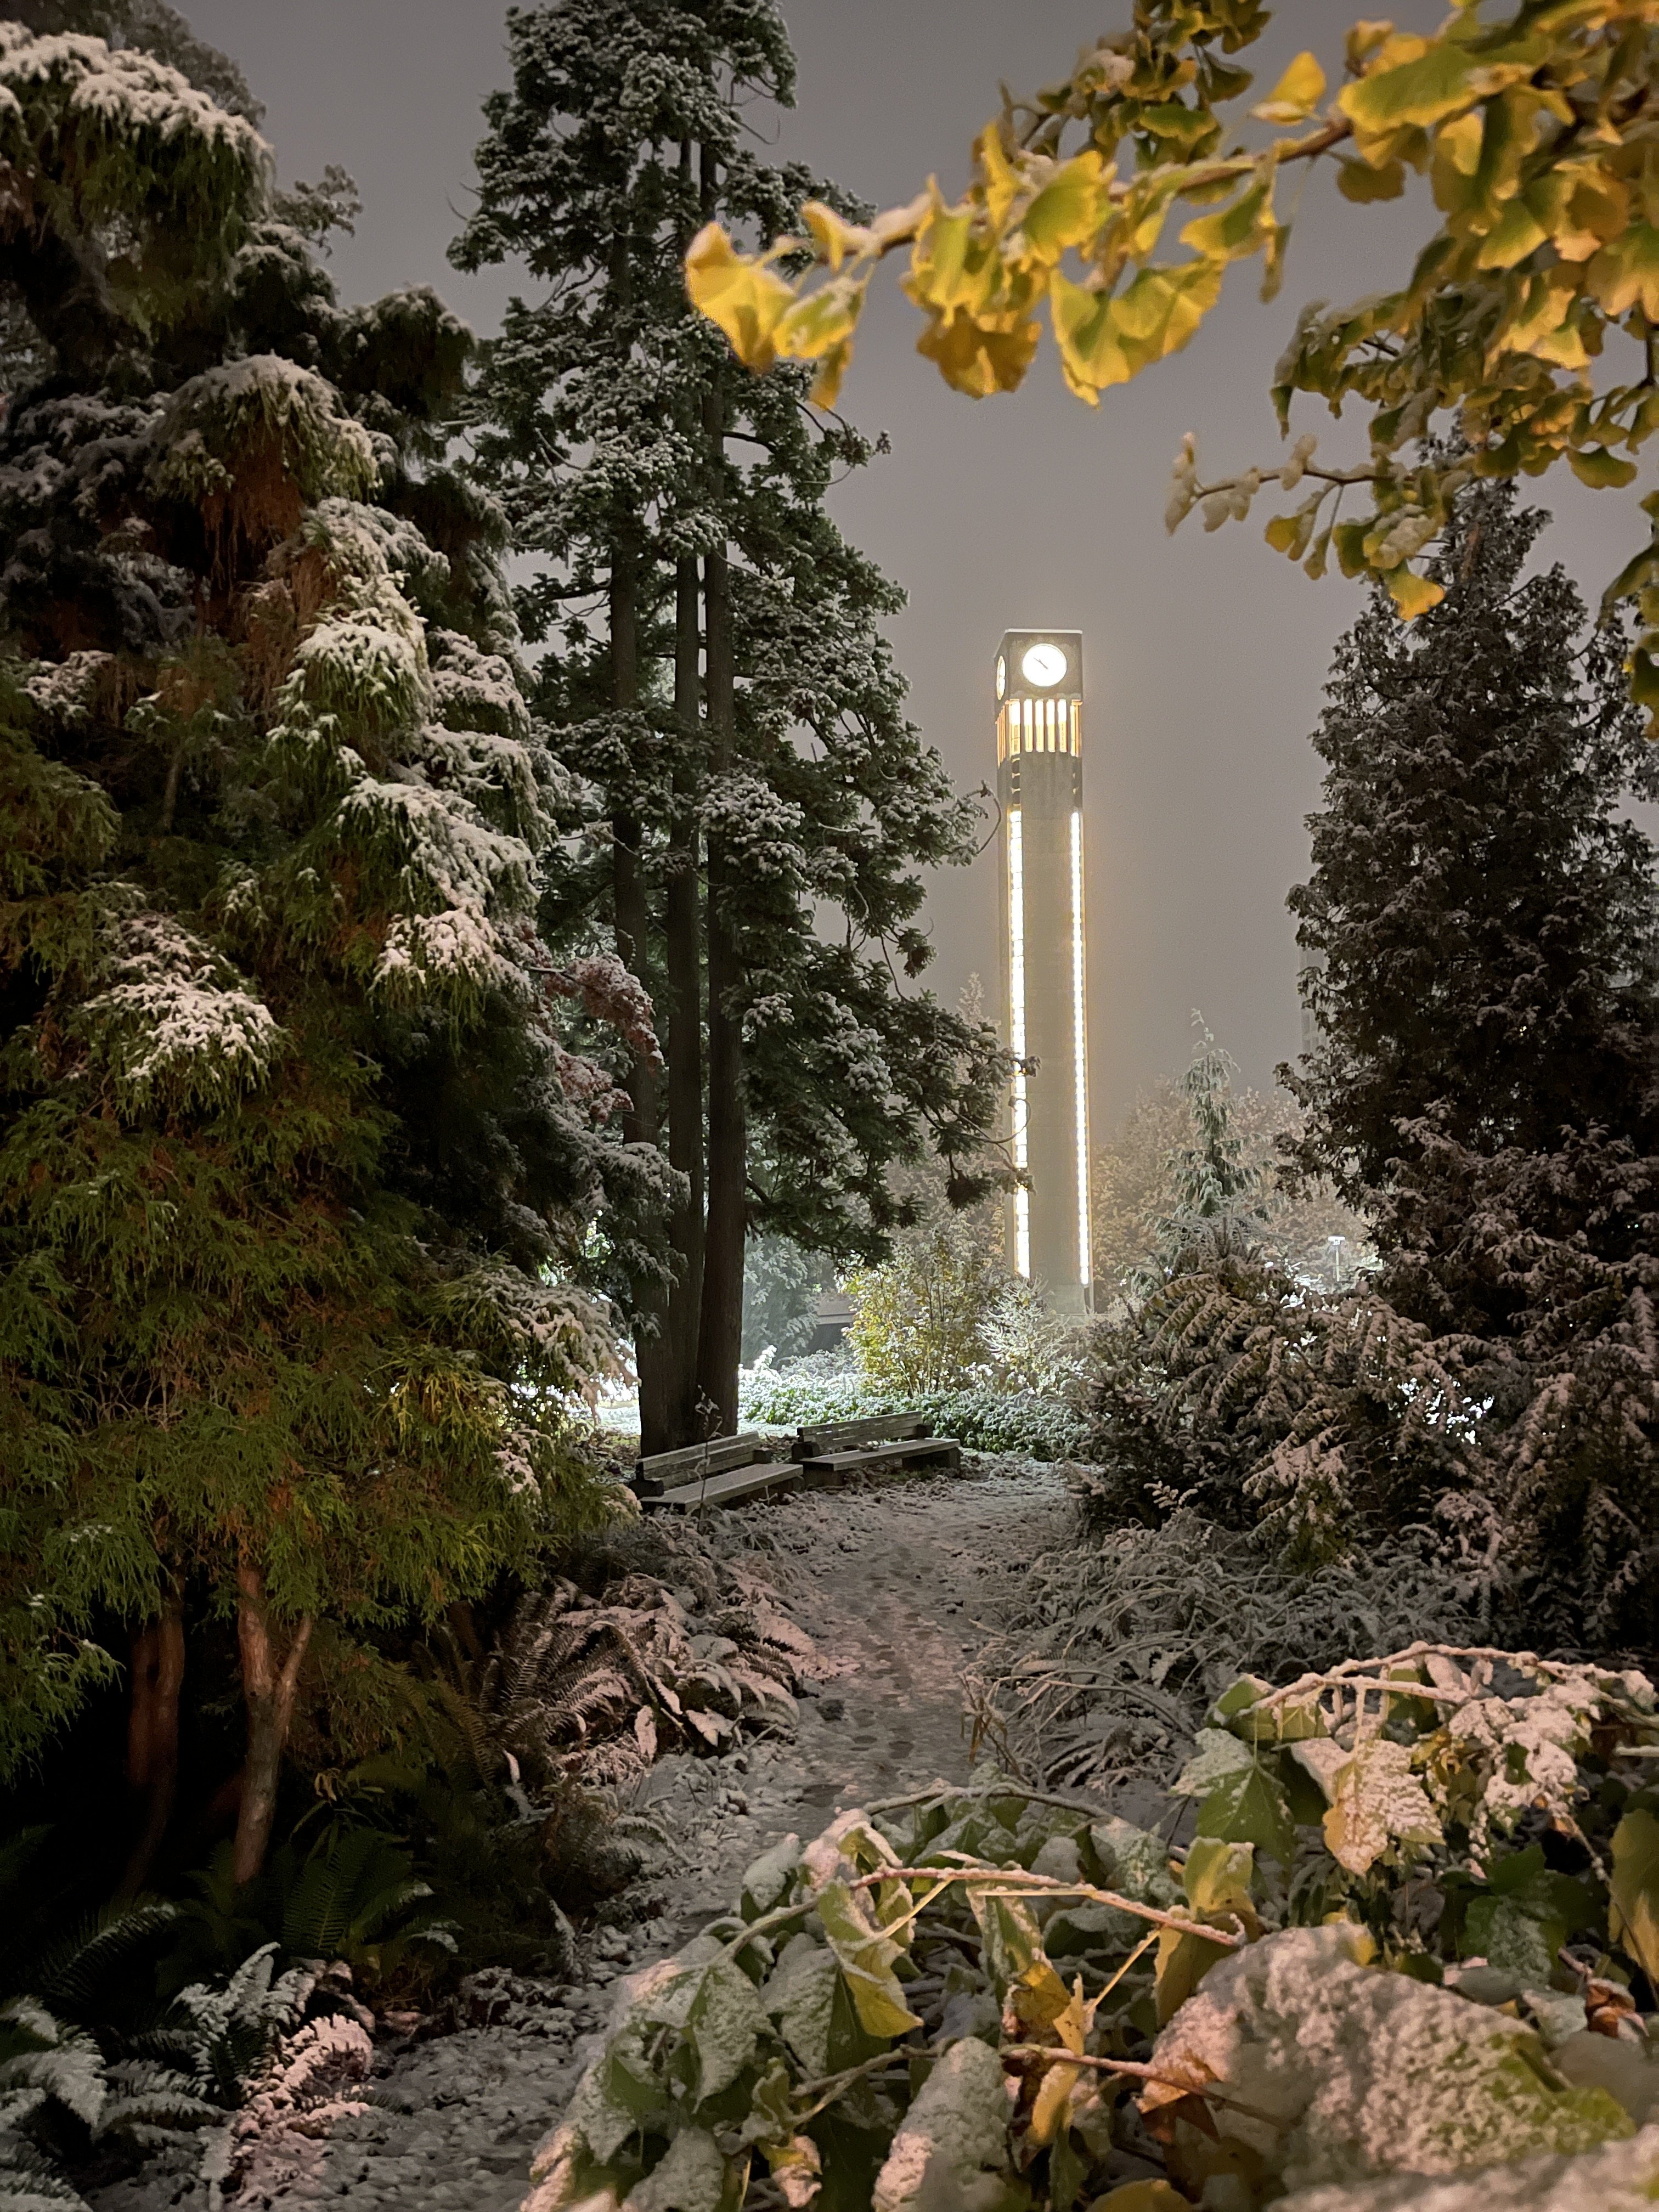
[{"x": 894, "y": 1584}]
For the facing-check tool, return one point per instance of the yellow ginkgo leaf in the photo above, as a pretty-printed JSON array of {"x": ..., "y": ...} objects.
[
  {"x": 744, "y": 297},
  {"x": 836, "y": 239},
  {"x": 1297, "y": 95},
  {"x": 1414, "y": 595}
]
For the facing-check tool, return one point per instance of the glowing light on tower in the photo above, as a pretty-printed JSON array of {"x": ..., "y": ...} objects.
[
  {"x": 1016, "y": 1036},
  {"x": 1039, "y": 679},
  {"x": 1079, "y": 1051}
]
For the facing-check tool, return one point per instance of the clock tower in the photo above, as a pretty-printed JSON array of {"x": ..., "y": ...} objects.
[{"x": 1039, "y": 690}]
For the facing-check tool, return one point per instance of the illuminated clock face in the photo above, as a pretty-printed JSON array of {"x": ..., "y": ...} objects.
[
  {"x": 1044, "y": 665},
  {"x": 1002, "y": 676}
]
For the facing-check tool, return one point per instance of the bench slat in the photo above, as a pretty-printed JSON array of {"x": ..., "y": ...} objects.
[
  {"x": 828, "y": 1436},
  {"x": 673, "y": 1468},
  {"x": 830, "y": 1469},
  {"x": 731, "y": 1488}
]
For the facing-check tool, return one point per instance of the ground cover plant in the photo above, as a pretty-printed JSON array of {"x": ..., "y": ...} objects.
[
  {"x": 1000, "y": 1998},
  {"x": 1102, "y": 1668}
]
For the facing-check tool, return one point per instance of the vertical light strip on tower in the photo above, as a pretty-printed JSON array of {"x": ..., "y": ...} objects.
[
  {"x": 1079, "y": 1051},
  {"x": 1016, "y": 1034}
]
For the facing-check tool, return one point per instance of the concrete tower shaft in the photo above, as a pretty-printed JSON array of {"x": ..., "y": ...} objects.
[{"x": 1039, "y": 686}]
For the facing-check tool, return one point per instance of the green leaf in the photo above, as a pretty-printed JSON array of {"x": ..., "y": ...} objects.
[
  {"x": 1249, "y": 1807},
  {"x": 1625, "y": 274},
  {"x": 1360, "y": 182},
  {"x": 807, "y": 1995},
  {"x": 723, "y": 2025},
  {"x": 771, "y": 2127},
  {"x": 1216, "y": 1876},
  {"x": 1070, "y": 208},
  {"x": 1216, "y": 1755},
  {"x": 1015, "y": 1960},
  {"x": 767, "y": 1878},
  {"x": 1633, "y": 1921},
  {"x": 1235, "y": 230},
  {"x": 691, "y": 2176},
  {"x": 1595, "y": 466},
  {"x": 866, "y": 1959},
  {"x": 1441, "y": 82}
]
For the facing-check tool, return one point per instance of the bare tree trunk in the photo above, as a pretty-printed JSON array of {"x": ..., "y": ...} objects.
[
  {"x": 158, "y": 1676},
  {"x": 268, "y": 1688},
  {"x": 720, "y": 1333},
  {"x": 642, "y": 1120},
  {"x": 683, "y": 923}
]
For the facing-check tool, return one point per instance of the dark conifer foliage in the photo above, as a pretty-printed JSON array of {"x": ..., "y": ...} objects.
[
  {"x": 1483, "y": 905},
  {"x": 295, "y": 1163},
  {"x": 717, "y": 672},
  {"x": 1484, "y": 1076}
]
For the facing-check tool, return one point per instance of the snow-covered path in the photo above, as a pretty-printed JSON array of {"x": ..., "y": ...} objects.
[{"x": 891, "y": 1584}]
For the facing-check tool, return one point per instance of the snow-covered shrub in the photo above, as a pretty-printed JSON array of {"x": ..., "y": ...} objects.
[
  {"x": 816, "y": 1391},
  {"x": 1118, "y": 1640},
  {"x": 906, "y": 1996}
]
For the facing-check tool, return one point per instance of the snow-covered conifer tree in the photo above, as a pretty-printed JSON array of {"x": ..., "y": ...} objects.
[
  {"x": 1484, "y": 1074},
  {"x": 720, "y": 672},
  {"x": 293, "y": 1151}
]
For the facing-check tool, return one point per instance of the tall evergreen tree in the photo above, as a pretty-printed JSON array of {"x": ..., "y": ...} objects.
[
  {"x": 719, "y": 673},
  {"x": 291, "y": 1152},
  {"x": 1483, "y": 902},
  {"x": 1484, "y": 1076}
]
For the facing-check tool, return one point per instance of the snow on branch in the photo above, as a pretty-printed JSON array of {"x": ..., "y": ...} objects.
[
  {"x": 608, "y": 992},
  {"x": 173, "y": 1022}
]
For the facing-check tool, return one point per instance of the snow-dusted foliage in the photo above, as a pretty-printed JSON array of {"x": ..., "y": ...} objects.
[
  {"x": 1334, "y": 2072},
  {"x": 168, "y": 1021},
  {"x": 544, "y": 1336},
  {"x": 265, "y": 416},
  {"x": 107, "y": 116},
  {"x": 285, "y": 1063}
]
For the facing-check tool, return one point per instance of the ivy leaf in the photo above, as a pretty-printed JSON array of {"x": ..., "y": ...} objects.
[
  {"x": 1216, "y": 1756},
  {"x": 691, "y": 2176},
  {"x": 767, "y": 1880},
  {"x": 952, "y": 2148},
  {"x": 1019, "y": 1967},
  {"x": 1633, "y": 1921},
  {"x": 1249, "y": 1807},
  {"x": 1376, "y": 1804},
  {"x": 866, "y": 1957},
  {"x": 793, "y": 2159},
  {"x": 723, "y": 2026}
]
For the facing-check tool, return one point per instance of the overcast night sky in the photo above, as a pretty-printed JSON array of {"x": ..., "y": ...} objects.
[{"x": 1204, "y": 655}]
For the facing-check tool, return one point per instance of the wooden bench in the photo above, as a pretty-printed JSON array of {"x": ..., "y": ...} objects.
[
  {"x": 829, "y": 1470},
  {"x": 668, "y": 1470},
  {"x": 853, "y": 1436},
  {"x": 735, "y": 1487}
]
